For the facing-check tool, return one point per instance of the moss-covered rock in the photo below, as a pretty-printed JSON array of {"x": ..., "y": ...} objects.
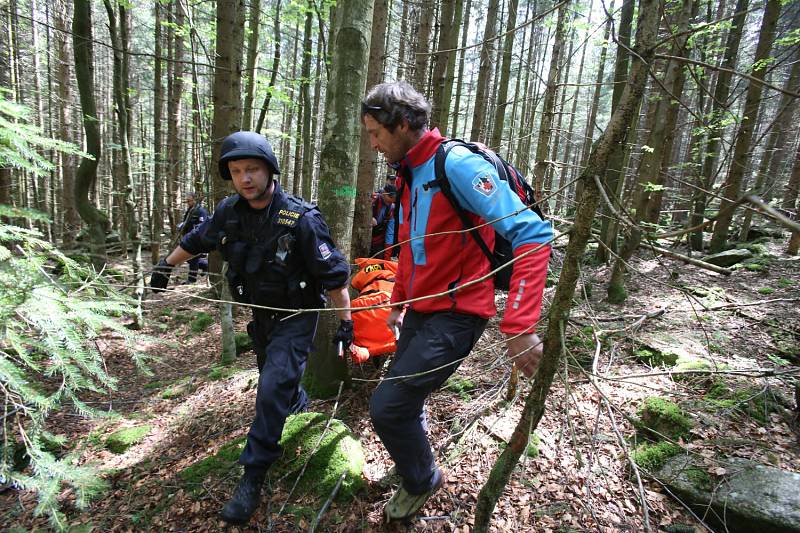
[
  {"x": 659, "y": 418},
  {"x": 755, "y": 402},
  {"x": 654, "y": 357},
  {"x": 219, "y": 372},
  {"x": 339, "y": 452},
  {"x": 460, "y": 386},
  {"x": 178, "y": 390},
  {"x": 121, "y": 440},
  {"x": 532, "y": 450},
  {"x": 652, "y": 456}
]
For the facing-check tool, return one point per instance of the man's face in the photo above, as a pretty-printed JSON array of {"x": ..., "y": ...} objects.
[
  {"x": 190, "y": 201},
  {"x": 388, "y": 199},
  {"x": 251, "y": 179},
  {"x": 392, "y": 144}
]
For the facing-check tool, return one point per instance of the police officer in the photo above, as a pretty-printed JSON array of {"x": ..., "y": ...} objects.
[
  {"x": 280, "y": 254},
  {"x": 195, "y": 215}
]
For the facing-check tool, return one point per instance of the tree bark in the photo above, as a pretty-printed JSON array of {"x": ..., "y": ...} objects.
[
  {"x": 305, "y": 98},
  {"x": 276, "y": 59},
  {"x": 339, "y": 168},
  {"x": 157, "y": 213},
  {"x": 86, "y": 176},
  {"x": 251, "y": 67},
  {"x": 426, "y": 18},
  {"x": 460, "y": 79},
  {"x": 558, "y": 315},
  {"x": 501, "y": 101},
  {"x": 542, "y": 165},
  {"x": 484, "y": 74},
  {"x": 741, "y": 149},
  {"x": 448, "y": 35},
  {"x": 718, "y": 114},
  {"x": 367, "y": 157}
]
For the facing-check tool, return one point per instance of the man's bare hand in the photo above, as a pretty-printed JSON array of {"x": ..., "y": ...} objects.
[
  {"x": 395, "y": 320},
  {"x": 526, "y": 351}
]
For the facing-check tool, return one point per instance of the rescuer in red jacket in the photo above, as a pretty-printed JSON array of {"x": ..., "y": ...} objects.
[{"x": 438, "y": 258}]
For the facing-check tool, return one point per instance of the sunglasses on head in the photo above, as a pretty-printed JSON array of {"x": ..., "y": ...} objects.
[{"x": 366, "y": 108}]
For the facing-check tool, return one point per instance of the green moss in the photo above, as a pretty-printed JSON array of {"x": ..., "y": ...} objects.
[
  {"x": 660, "y": 418},
  {"x": 152, "y": 385},
  {"x": 219, "y": 465},
  {"x": 243, "y": 342},
  {"x": 679, "y": 528},
  {"x": 756, "y": 266},
  {"x": 653, "y": 357},
  {"x": 784, "y": 283},
  {"x": 690, "y": 365},
  {"x": 219, "y": 372},
  {"x": 617, "y": 293},
  {"x": 754, "y": 402},
  {"x": 698, "y": 477},
  {"x": 766, "y": 290},
  {"x": 201, "y": 322},
  {"x": 460, "y": 386},
  {"x": 532, "y": 450},
  {"x": 753, "y": 247},
  {"x": 178, "y": 390},
  {"x": 652, "y": 457},
  {"x": 121, "y": 440},
  {"x": 338, "y": 452}
]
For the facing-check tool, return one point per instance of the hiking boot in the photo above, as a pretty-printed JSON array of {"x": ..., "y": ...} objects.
[
  {"x": 404, "y": 505},
  {"x": 246, "y": 498}
]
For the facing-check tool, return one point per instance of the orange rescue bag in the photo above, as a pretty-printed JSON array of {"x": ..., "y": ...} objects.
[{"x": 374, "y": 283}]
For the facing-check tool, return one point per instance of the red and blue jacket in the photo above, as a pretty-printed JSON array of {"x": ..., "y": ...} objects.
[{"x": 437, "y": 256}]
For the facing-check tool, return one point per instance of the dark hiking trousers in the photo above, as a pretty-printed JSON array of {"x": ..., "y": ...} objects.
[
  {"x": 432, "y": 344},
  {"x": 281, "y": 350}
]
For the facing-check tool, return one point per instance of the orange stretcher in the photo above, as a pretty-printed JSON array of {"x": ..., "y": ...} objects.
[{"x": 374, "y": 283}]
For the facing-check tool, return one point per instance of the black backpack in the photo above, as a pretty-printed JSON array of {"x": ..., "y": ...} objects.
[{"x": 502, "y": 253}]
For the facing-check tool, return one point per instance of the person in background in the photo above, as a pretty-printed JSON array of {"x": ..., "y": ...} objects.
[
  {"x": 280, "y": 254},
  {"x": 438, "y": 258},
  {"x": 195, "y": 215},
  {"x": 383, "y": 222}
]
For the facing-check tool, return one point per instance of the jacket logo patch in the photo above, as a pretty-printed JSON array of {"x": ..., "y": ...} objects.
[
  {"x": 288, "y": 222},
  {"x": 485, "y": 185},
  {"x": 324, "y": 250}
]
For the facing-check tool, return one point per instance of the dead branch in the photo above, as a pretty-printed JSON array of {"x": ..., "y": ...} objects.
[{"x": 687, "y": 259}]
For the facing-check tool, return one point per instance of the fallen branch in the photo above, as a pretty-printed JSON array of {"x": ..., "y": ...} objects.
[
  {"x": 327, "y": 503},
  {"x": 687, "y": 259}
]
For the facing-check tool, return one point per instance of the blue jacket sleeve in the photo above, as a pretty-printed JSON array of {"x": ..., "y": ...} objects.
[
  {"x": 478, "y": 189},
  {"x": 389, "y": 239},
  {"x": 322, "y": 259}
]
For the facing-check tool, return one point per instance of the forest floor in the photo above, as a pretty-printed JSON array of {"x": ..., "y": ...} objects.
[{"x": 576, "y": 479}]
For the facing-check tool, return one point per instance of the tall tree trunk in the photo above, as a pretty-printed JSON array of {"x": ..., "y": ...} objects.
[
  {"x": 157, "y": 213},
  {"x": 542, "y": 165},
  {"x": 426, "y": 18},
  {"x": 276, "y": 60},
  {"x": 86, "y": 176},
  {"x": 558, "y": 316},
  {"x": 616, "y": 172},
  {"x": 741, "y": 149},
  {"x": 718, "y": 116},
  {"x": 448, "y": 35},
  {"x": 794, "y": 240},
  {"x": 5, "y": 81},
  {"x": 654, "y": 161},
  {"x": 174, "y": 145},
  {"x": 70, "y": 220},
  {"x": 367, "y": 157},
  {"x": 777, "y": 146},
  {"x": 401, "y": 49},
  {"x": 478, "y": 129},
  {"x": 305, "y": 98},
  {"x": 501, "y": 101},
  {"x": 251, "y": 67},
  {"x": 460, "y": 78},
  {"x": 339, "y": 168}
]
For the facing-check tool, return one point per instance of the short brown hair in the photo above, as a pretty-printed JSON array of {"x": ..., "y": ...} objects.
[{"x": 392, "y": 103}]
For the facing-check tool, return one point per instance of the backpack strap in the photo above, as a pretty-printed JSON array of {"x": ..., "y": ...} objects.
[{"x": 443, "y": 183}]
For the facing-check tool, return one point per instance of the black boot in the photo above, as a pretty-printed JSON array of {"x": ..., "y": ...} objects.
[{"x": 246, "y": 498}]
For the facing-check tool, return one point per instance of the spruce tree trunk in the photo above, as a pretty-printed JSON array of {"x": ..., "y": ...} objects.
[
  {"x": 251, "y": 67},
  {"x": 460, "y": 78},
  {"x": 367, "y": 157},
  {"x": 276, "y": 60},
  {"x": 501, "y": 101},
  {"x": 794, "y": 240},
  {"x": 86, "y": 176},
  {"x": 448, "y": 34},
  {"x": 718, "y": 115},
  {"x": 741, "y": 149},
  {"x": 646, "y": 31},
  {"x": 70, "y": 222},
  {"x": 426, "y": 19},
  {"x": 542, "y": 165},
  {"x": 305, "y": 98},
  {"x": 339, "y": 168},
  {"x": 174, "y": 145},
  {"x": 478, "y": 130},
  {"x": 157, "y": 213}
]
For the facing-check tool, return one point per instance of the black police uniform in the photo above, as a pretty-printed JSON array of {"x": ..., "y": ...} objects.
[
  {"x": 192, "y": 218},
  {"x": 280, "y": 256}
]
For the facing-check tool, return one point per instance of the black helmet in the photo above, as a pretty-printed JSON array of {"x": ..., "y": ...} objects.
[{"x": 245, "y": 145}]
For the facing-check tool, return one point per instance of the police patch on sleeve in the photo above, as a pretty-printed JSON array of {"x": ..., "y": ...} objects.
[
  {"x": 324, "y": 250},
  {"x": 485, "y": 185}
]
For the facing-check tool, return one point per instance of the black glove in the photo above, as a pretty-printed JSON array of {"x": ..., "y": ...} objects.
[
  {"x": 344, "y": 334},
  {"x": 160, "y": 276}
]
